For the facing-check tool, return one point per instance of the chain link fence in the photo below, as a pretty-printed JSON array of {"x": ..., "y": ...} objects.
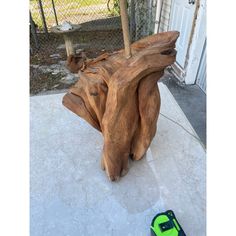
[{"x": 100, "y": 31}]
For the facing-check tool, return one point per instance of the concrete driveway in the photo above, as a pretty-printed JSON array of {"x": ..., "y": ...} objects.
[{"x": 71, "y": 195}]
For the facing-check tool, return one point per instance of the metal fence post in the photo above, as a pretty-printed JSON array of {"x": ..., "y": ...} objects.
[
  {"x": 132, "y": 20},
  {"x": 33, "y": 31},
  {"x": 43, "y": 17},
  {"x": 54, "y": 10}
]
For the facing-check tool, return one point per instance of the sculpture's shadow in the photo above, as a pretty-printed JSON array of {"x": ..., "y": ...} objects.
[
  {"x": 86, "y": 185},
  {"x": 138, "y": 190}
]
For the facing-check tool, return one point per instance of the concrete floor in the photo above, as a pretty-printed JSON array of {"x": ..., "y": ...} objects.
[
  {"x": 192, "y": 101},
  {"x": 71, "y": 195}
]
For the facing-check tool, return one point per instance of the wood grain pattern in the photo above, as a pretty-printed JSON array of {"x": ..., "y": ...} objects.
[{"x": 120, "y": 97}]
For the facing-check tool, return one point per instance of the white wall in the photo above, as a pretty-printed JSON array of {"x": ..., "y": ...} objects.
[
  {"x": 197, "y": 45},
  {"x": 165, "y": 16}
]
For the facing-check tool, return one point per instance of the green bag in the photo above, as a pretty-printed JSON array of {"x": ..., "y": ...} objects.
[{"x": 166, "y": 224}]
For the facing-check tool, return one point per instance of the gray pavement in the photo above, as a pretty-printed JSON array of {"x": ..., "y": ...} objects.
[
  {"x": 71, "y": 195},
  {"x": 192, "y": 100}
]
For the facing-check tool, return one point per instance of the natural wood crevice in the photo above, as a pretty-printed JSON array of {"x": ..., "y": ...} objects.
[{"x": 120, "y": 97}]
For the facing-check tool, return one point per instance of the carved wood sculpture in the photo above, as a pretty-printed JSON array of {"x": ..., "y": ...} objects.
[{"x": 120, "y": 97}]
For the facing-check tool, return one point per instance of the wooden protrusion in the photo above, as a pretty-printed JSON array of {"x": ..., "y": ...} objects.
[
  {"x": 125, "y": 27},
  {"x": 69, "y": 45},
  {"x": 121, "y": 99}
]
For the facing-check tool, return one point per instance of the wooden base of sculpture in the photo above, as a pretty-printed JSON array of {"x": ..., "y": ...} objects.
[{"x": 120, "y": 97}]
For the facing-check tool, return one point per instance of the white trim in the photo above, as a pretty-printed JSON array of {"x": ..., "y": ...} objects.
[
  {"x": 195, "y": 50},
  {"x": 178, "y": 71},
  {"x": 158, "y": 16}
]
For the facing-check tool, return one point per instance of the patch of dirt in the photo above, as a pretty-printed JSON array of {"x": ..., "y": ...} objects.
[
  {"x": 45, "y": 82},
  {"x": 48, "y": 63}
]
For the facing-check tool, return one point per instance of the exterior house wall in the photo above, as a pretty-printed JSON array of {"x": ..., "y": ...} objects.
[
  {"x": 195, "y": 65},
  {"x": 201, "y": 75},
  {"x": 197, "y": 44},
  {"x": 142, "y": 17},
  {"x": 165, "y": 16}
]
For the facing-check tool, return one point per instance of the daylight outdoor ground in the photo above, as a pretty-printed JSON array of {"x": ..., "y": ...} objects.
[
  {"x": 192, "y": 101},
  {"x": 71, "y": 195},
  {"x": 48, "y": 70}
]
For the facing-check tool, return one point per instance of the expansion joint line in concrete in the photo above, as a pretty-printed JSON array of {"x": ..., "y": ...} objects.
[{"x": 181, "y": 126}]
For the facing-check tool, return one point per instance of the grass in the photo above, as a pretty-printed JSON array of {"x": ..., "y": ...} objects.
[
  {"x": 70, "y": 10},
  {"x": 63, "y": 2}
]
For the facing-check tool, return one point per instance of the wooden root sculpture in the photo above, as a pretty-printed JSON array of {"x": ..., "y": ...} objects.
[{"x": 120, "y": 98}]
